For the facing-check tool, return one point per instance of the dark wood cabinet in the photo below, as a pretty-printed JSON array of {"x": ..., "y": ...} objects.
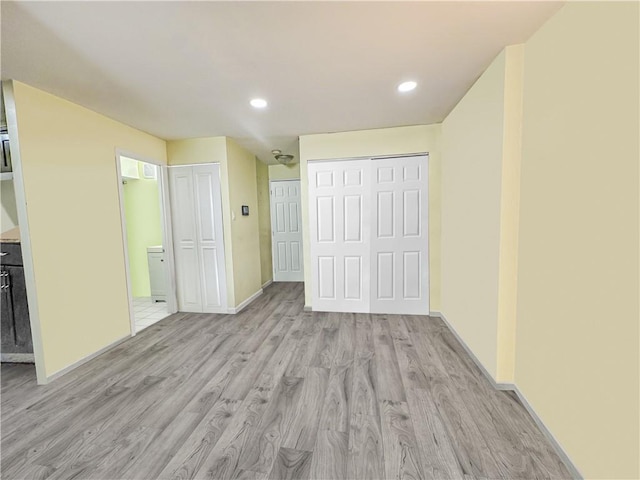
[{"x": 15, "y": 329}]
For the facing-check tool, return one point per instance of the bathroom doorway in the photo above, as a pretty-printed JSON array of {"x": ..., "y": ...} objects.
[{"x": 148, "y": 252}]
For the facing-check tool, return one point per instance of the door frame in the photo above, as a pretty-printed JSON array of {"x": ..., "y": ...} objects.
[
  {"x": 167, "y": 238},
  {"x": 25, "y": 234},
  {"x": 273, "y": 246}
]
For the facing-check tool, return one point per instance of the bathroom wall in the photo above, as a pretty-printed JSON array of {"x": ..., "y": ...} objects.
[{"x": 144, "y": 228}]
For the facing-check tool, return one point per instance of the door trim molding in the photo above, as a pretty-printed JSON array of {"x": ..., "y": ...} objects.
[
  {"x": 25, "y": 234},
  {"x": 165, "y": 214},
  {"x": 367, "y": 157}
]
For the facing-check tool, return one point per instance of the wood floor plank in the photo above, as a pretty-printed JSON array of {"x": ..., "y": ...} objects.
[
  {"x": 270, "y": 341},
  {"x": 364, "y": 400},
  {"x": 277, "y": 365},
  {"x": 436, "y": 452},
  {"x": 344, "y": 352},
  {"x": 389, "y": 384},
  {"x": 330, "y": 456},
  {"x": 410, "y": 363},
  {"x": 291, "y": 465},
  {"x": 366, "y": 450},
  {"x": 150, "y": 463},
  {"x": 223, "y": 462},
  {"x": 262, "y": 450},
  {"x": 400, "y": 447},
  {"x": 306, "y": 347},
  {"x": 302, "y": 433},
  {"x": 249, "y": 475},
  {"x": 335, "y": 410},
  {"x": 272, "y": 392},
  {"x": 364, "y": 334},
  {"x": 197, "y": 447},
  {"x": 326, "y": 348}
]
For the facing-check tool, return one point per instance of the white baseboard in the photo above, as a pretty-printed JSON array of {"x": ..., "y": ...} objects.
[
  {"x": 17, "y": 357},
  {"x": 267, "y": 283},
  {"x": 479, "y": 364},
  {"x": 575, "y": 473},
  {"x": 307, "y": 308},
  {"x": 246, "y": 302},
  {"x": 84, "y": 360}
]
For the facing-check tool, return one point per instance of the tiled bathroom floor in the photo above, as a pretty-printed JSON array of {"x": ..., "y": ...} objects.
[{"x": 147, "y": 313}]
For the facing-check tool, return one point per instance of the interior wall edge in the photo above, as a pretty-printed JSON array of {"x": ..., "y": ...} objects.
[
  {"x": 23, "y": 221},
  {"x": 509, "y": 212},
  {"x": 245, "y": 303}
]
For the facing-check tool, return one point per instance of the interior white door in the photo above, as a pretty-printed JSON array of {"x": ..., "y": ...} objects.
[
  {"x": 400, "y": 240},
  {"x": 339, "y": 229},
  {"x": 210, "y": 237},
  {"x": 286, "y": 222},
  {"x": 185, "y": 236},
  {"x": 198, "y": 238}
]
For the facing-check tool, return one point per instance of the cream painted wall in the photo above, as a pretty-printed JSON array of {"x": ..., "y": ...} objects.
[
  {"x": 195, "y": 151},
  {"x": 8, "y": 212},
  {"x": 577, "y": 357},
  {"x": 480, "y": 182},
  {"x": 385, "y": 141},
  {"x": 284, "y": 172},
  {"x": 264, "y": 221},
  {"x": 245, "y": 229},
  {"x": 71, "y": 188},
  {"x": 144, "y": 228}
]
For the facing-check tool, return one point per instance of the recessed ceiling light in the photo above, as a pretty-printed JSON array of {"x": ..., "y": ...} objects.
[
  {"x": 407, "y": 86},
  {"x": 258, "y": 103}
]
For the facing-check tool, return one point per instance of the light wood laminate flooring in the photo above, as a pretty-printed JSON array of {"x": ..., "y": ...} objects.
[{"x": 273, "y": 392}]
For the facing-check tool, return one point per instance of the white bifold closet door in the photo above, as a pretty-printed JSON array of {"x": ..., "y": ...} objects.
[
  {"x": 196, "y": 207},
  {"x": 369, "y": 235}
]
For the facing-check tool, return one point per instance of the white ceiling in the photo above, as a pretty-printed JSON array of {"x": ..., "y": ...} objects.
[{"x": 189, "y": 69}]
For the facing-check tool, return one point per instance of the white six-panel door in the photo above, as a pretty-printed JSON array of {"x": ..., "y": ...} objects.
[
  {"x": 399, "y": 240},
  {"x": 286, "y": 228},
  {"x": 198, "y": 238},
  {"x": 369, "y": 235},
  {"x": 339, "y": 230}
]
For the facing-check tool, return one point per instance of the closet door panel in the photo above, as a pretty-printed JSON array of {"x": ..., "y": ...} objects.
[
  {"x": 185, "y": 240},
  {"x": 399, "y": 245},
  {"x": 339, "y": 231},
  {"x": 210, "y": 237}
]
